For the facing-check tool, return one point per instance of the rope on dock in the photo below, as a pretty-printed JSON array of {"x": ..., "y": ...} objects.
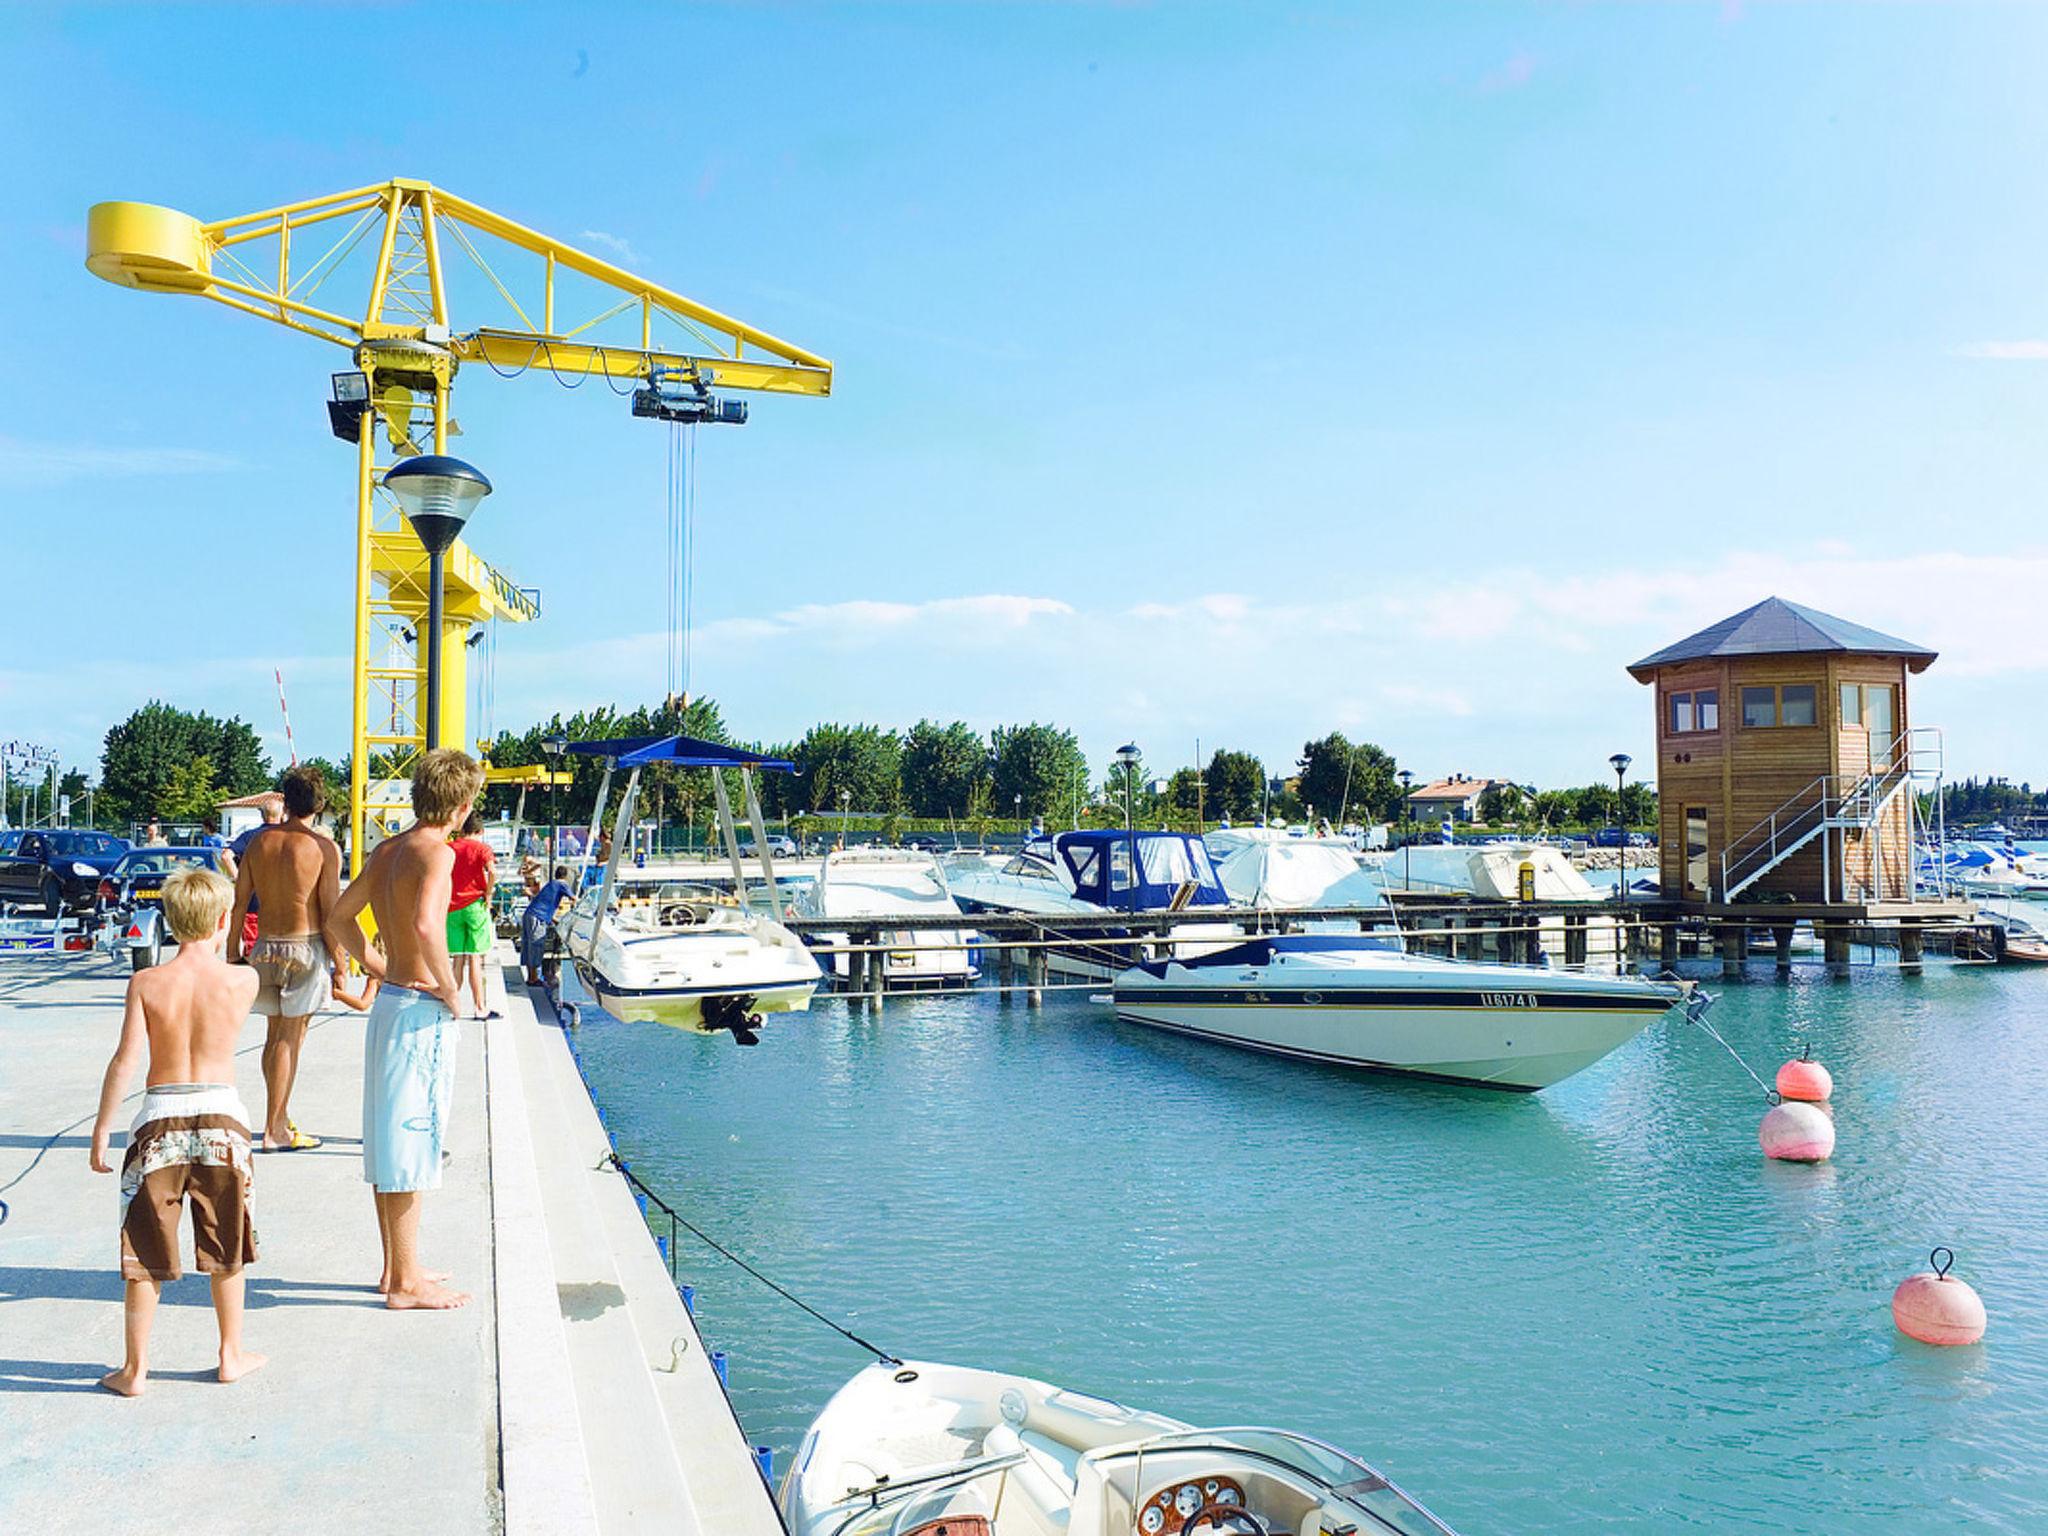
[{"x": 676, "y": 1220}]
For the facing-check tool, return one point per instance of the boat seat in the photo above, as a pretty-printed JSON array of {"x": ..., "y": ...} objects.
[
  {"x": 953, "y": 1525},
  {"x": 1036, "y": 1496}
]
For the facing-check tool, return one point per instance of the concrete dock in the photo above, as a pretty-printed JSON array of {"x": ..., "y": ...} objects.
[{"x": 572, "y": 1396}]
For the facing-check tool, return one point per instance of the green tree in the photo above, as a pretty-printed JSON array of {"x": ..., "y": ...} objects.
[
  {"x": 1235, "y": 785},
  {"x": 1593, "y": 806},
  {"x": 1186, "y": 795},
  {"x": 1339, "y": 778},
  {"x": 147, "y": 761},
  {"x": 941, "y": 766},
  {"x": 1639, "y": 805},
  {"x": 864, "y": 761},
  {"x": 1502, "y": 804},
  {"x": 1042, "y": 763}
]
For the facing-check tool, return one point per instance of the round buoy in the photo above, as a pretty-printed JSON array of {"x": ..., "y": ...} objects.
[
  {"x": 1805, "y": 1079},
  {"x": 1935, "y": 1307},
  {"x": 1794, "y": 1132}
]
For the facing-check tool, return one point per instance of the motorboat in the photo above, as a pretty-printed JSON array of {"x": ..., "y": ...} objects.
[
  {"x": 1095, "y": 872},
  {"x": 1266, "y": 867},
  {"x": 688, "y": 956},
  {"x": 2021, "y": 928},
  {"x": 868, "y": 886},
  {"x": 910, "y": 1448},
  {"x": 1985, "y": 869},
  {"x": 651, "y": 947},
  {"x": 1483, "y": 869},
  {"x": 1348, "y": 1001}
]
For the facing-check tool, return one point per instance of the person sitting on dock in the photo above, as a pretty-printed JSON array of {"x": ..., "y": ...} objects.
[
  {"x": 543, "y": 902},
  {"x": 190, "y": 1140},
  {"x": 292, "y": 876},
  {"x": 410, "y": 1045}
]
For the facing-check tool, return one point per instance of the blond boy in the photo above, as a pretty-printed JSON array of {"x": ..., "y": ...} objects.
[
  {"x": 189, "y": 1143},
  {"x": 409, "y": 1046}
]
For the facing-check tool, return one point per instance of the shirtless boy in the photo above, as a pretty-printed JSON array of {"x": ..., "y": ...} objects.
[
  {"x": 409, "y": 1048},
  {"x": 190, "y": 1140},
  {"x": 294, "y": 873}
]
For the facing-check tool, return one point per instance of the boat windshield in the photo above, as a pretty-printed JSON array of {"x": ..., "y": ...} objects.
[
  {"x": 900, "y": 1507},
  {"x": 1337, "y": 1476}
]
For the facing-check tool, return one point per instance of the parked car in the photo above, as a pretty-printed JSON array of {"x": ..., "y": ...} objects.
[
  {"x": 781, "y": 847},
  {"x": 130, "y": 898},
  {"x": 57, "y": 869}
]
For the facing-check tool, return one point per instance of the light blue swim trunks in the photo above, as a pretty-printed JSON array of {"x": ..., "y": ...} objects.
[{"x": 408, "y": 1089}]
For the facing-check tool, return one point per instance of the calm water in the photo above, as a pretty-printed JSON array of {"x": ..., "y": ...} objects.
[{"x": 1597, "y": 1305}]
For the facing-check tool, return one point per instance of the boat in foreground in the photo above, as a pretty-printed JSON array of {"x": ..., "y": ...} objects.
[
  {"x": 917, "y": 1449},
  {"x": 1353, "y": 1002}
]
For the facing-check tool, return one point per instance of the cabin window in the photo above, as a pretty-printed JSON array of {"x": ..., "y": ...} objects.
[
  {"x": 1877, "y": 712},
  {"x": 1699, "y": 710},
  {"x": 1793, "y": 704},
  {"x": 1120, "y": 867},
  {"x": 1852, "y": 704}
]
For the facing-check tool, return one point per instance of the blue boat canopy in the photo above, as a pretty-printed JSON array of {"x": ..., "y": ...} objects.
[
  {"x": 682, "y": 751},
  {"x": 1106, "y": 874}
]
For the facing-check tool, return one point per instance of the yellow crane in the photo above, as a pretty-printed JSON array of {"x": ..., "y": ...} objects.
[{"x": 582, "y": 317}]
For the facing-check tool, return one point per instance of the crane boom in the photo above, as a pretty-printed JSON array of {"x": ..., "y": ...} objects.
[{"x": 399, "y": 245}]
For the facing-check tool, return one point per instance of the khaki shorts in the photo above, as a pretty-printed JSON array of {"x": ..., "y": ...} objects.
[{"x": 294, "y": 973}]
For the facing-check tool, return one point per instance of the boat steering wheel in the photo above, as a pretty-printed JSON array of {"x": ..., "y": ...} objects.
[{"x": 1229, "y": 1520}]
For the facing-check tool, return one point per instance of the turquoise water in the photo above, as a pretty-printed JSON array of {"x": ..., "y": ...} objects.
[{"x": 1596, "y": 1305}]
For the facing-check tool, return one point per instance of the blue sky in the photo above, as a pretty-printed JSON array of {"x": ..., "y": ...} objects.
[{"x": 1232, "y": 372}]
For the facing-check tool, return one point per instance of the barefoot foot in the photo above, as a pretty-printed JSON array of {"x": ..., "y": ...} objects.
[
  {"x": 235, "y": 1366},
  {"x": 428, "y": 1296},
  {"x": 125, "y": 1382},
  {"x": 431, "y": 1276}
]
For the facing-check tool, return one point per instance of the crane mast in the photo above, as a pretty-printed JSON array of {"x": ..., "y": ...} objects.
[{"x": 581, "y": 317}]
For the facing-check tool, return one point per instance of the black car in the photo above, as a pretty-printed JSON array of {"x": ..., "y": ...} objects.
[
  {"x": 131, "y": 899},
  {"x": 57, "y": 870}
]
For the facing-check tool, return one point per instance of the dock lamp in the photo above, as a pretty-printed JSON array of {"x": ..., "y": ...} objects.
[
  {"x": 1620, "y": 762},
  {"x": 1407, "y": 777},
  {"x": 845, "y": 801},
  {"x": 1017, "y": 808},
  {"x": 554, "y": 744},
  {"x": 437, "y": 494},
  {"x": 1128, "y": 755}
]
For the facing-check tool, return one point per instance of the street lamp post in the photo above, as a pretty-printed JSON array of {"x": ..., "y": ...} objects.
[
  {"x": 845, "y": 800},
  {"x": 1620, "y": 762},
  {"x": 437, "y": 494},
  {"x": 1017, "y": 809},
  {"x": 554, "y": 744},
  {"x": 1128, "y": 755},
  {"x": 1407, "y": 777}
]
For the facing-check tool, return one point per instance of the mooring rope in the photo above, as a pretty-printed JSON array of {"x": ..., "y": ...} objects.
[
  {"x": 1697, "y": 1007},
  {"x": 677, "y": 1221}
]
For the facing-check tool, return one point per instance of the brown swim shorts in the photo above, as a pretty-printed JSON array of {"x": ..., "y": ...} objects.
[{"x": 189, "y": 1144}]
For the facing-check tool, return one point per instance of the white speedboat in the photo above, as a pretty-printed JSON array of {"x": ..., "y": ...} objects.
[
  {"x": 687, "y": 956},
  {"x": 1093, "y": 873},
  {"x": 1265, "y": 867},
  {"x": 916, "y": 1449},
  {"x": 1984, "y": 869},
  {"x": 1350, "y": 1002},
  {"x": 867, "y": 886}
]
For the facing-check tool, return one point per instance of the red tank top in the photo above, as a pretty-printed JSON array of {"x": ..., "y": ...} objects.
[{"x": 473, "y": 859}]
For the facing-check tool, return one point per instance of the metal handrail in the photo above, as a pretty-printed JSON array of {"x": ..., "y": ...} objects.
[{"x": 1817, "y": 807}]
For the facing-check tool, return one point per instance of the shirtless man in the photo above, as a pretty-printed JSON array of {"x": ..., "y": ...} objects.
[
  {"x": 294, "y": 873},
  {"x": 190, "y": 1140},
  {"x": 409, "y": 1048}
]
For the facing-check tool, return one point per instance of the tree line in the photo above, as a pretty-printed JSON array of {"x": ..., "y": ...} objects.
[{"x": 176, "y": 765}]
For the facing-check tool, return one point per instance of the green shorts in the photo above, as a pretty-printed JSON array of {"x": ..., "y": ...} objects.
[{"x": 469, "y": 930}]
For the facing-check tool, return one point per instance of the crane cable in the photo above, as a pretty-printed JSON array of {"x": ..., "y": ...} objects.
[{"x": 682, "y": 505}]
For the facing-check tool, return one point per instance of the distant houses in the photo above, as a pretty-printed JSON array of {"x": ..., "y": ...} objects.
[{"x": 1456, "y": 798}]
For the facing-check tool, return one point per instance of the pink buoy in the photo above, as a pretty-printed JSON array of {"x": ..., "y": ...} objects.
[
  {"x": 1793, "y": 1132},
  {"x": 1805, "y": 1079},
  {"x": 1935, "y": 1307}
]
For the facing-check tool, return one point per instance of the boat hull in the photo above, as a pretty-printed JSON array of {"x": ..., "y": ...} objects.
[
  {"x": 684, "y": 1009},
  {"x": 1518, "y": 1038}
]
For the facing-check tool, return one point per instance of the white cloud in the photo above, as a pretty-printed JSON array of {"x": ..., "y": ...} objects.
[
  {"x": 2006, "y": 351},
  {"x": 618, "y": 245},
  {"x": 38, "y": 466}
]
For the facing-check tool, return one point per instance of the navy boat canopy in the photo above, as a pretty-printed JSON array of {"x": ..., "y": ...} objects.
[
  {"x": 1166, "y": 864},
  {"x": 683, "y": 751}
]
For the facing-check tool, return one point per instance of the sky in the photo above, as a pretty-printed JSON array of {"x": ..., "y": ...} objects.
[{"x": 1204, "y": 373}]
